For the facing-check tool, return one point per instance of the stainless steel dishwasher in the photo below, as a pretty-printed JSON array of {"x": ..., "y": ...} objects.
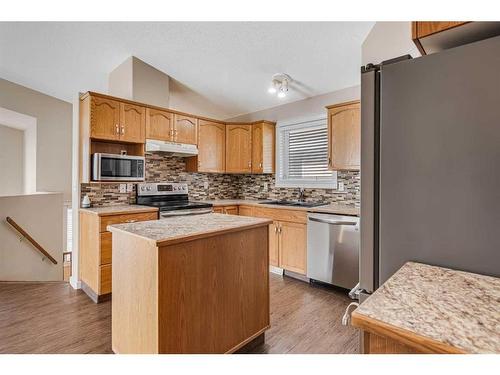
[{"x": 333, "y": 249}]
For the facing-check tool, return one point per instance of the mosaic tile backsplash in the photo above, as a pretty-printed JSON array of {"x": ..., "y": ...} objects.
[{"x": 163, "y": 168}]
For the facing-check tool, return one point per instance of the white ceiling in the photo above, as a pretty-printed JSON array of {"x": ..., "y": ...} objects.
[{"x": 229, "y": 63}]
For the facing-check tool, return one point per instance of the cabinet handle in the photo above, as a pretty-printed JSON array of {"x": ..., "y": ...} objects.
[
  {"x": 123, "y": 130},
  {"x": 260, "y": 165},
  {"x": 249, "y": 164},
  {"x": 275, "y": 228},
  {"x": 279, "y": 230},
  {"x": 117, "y": 129},
  {"x": 130, "y": 221}
]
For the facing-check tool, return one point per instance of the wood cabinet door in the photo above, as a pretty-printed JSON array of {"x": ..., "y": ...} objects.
[
  {"x": 257, "y": 148},
  {"x": 185, "y": 129},
  {"x": 104, "y": 118},
  {"x": 211, "y": 147},
  {"x": 344, "y": 136},
  {"x": 274, "y": 244},
  {"x": 159, "y": 124},
  {"x": 132, "y": 123},
  {"x": 231, "y": 210},
  {"x": 239, "y": 148},
  {"x": 422, "y": 29},
  {"x": 293, "y": 246},
  {"x": 218, "y": 210}
]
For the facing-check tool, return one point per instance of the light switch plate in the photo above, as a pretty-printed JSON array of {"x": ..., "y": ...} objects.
[
  {"x": 340, "y": 186},
  {"x": 266, "y": 186},
  {"x": 123, "y": 188},
  {"x": 205, "y": 185}
]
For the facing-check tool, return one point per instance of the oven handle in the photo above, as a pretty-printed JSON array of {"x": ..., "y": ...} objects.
[
  {"x": 325, "y": 221},
  {"x": 185, "y": 213}
]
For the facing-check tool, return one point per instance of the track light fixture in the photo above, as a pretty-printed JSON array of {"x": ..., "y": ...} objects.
[{"x": 279, "y": 85}]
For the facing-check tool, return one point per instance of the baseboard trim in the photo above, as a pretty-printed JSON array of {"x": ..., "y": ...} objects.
[{"x": 75, "y": 283}]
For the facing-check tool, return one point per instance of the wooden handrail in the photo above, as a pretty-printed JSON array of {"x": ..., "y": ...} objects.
[{"x": 30, "y": 239}]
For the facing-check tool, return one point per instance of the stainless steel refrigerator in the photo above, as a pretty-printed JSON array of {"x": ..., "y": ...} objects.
[{"x": 430, "y": 163}]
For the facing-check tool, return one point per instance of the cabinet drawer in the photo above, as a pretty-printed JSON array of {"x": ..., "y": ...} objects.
[
  {"x": 231, "y": 210},
  {"x": 106, "y": 248},
  {"x": 127, "y": 218},
  {"x": 245, "y": 211},
  {"x": 279, "y": 214},
  {"x": 105, "y": 279}
]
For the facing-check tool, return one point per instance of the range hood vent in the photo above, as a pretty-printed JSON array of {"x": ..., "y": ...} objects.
[{"x": 171, "y": 148}]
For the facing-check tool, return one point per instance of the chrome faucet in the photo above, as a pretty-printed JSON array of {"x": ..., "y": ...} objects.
[{"x": 301, "y": 195}]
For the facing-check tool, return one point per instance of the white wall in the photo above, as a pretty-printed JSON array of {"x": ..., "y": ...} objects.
[
  {"x": 302, "y": 109},
  {"x": 135, "y": 80},
  {"x": 387, "y": 40},
  {"x": 11, "y": 161},
  {"x": 41, "y": 215},
  {"x": 53, "y": 135}
]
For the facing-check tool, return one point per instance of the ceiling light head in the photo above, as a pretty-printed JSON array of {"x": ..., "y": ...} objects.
[
  {"x": 273, "y": 89},
  {"x": 279, "y": 85}
]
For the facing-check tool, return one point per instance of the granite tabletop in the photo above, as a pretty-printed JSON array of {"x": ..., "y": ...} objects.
[
  {"x": 331, "y": 208},
  {"x": 460, "y": 309},
  {"x": 117, "y": 210},
  {"x": 173, "y": 229}
]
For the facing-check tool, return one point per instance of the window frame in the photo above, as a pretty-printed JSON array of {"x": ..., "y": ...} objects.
[{"x": 305, "y": 123}]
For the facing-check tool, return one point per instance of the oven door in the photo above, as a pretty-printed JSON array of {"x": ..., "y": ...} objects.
[{"x": 109, "y": 167}]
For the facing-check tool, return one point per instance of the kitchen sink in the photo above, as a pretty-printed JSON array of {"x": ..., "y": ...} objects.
[{"x": 294, "y": 203}]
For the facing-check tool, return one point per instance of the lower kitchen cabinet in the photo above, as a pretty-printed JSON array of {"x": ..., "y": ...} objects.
[
  {"x": 274, "y": 259},
  {"x": 96, "y": 249},
  {"x": 287, "y": 236},
  {"x": 293, "y": 246}
]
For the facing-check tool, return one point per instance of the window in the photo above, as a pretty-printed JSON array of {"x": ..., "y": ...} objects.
[{"x": 302, "y": 155}]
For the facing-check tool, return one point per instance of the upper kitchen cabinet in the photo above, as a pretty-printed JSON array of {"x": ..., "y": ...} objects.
[
  {"x": 113, "y": 120},
  {"x": 132, "y": 123},
  {"x": 159, "y": 124},
  {"x": 185, "y": 129},
  {"x": 344, "y": 136},
  {"x": 211, "y": 156},
  {"x": 263, "y": 144},
  {"x": 431, "y": 37},
  {"x": 239, "y": 148},
  {"x": 104, "y": 118}
]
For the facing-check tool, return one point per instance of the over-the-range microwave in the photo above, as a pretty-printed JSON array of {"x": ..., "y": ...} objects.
[{"x": 111, "y": 167}]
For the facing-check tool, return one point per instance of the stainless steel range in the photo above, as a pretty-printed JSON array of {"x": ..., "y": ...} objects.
[{"x": 171, "y": 199}]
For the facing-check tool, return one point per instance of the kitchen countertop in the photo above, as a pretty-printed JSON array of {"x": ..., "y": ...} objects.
[
  {"x": 117, "y": 210},
  {"x": 454, "y": 308},
  {"x": 331, "y": 208},
  {"x": 176, "y": 229}
]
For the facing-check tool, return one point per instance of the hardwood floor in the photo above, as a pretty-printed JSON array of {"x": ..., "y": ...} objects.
[{"x": 54, "y": 318}]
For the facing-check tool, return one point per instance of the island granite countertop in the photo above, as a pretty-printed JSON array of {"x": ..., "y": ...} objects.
[
  {"x": 179, "y": 228},
  {"x": 453, "y": 309}
]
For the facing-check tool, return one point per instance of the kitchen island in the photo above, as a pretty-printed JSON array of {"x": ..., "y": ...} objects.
[
  {"x": 429, "y": 309},
  {"x": 190, "y": 284}
]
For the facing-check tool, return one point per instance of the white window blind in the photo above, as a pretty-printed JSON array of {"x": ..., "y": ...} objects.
[{"x": 303, "y": 155}]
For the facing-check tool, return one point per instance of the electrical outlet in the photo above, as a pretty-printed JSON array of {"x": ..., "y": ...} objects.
[
  {"x": 130, "y": 188},
  {"x": 340, "y": 186},
  {"x": 123, "y": 188},
  {"x": 205, "y": 185},
  {"x": 266, "y": 186}
]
